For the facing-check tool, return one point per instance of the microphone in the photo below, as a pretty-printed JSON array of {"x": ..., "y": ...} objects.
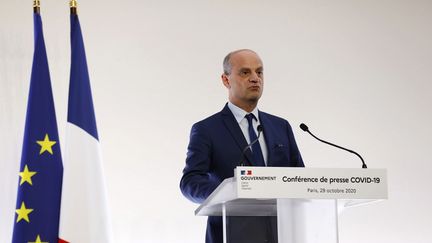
[
  {"x": 306, "y": 129},
  {"x": 260, "y": 129}
]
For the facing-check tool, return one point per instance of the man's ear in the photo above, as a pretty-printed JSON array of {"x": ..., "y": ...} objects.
[{"x": 225, "y": 80}]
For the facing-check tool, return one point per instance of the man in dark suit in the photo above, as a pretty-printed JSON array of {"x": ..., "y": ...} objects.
[{"x": 216, "y": 145}]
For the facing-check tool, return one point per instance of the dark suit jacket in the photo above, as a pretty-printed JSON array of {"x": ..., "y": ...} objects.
[{"x": 215, "y": 149}]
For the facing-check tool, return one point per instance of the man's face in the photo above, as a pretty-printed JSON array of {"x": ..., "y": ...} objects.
[{"x": 246, "y": 80}]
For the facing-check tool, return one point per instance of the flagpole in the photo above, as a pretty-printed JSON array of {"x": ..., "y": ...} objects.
[
  {"x": 36, "y": 6},
  {"x": 73, "y": 7}
]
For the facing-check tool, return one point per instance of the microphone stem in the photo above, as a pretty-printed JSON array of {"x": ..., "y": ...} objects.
[
  {"x": 337, "y": 146},
  {"x": 248, "y": 147}
]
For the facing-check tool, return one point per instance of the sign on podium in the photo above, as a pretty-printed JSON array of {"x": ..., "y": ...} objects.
[{"x": 305, "y": 201}]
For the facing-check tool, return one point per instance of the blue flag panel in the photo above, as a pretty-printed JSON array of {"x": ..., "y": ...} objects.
[
  {"x": 40, "y": 177},
  {"x": 80, "y": 110}
]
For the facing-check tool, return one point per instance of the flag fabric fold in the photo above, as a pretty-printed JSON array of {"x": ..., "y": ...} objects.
[
  {"x": 84, "y": 212},
  {"x": 40, "y": 177}
]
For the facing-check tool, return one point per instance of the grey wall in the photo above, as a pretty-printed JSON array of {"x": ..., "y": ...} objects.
[{"x": 358, "y": 72}]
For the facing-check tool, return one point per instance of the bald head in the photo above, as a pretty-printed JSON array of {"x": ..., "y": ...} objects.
[{"x": 227, "y": 64}]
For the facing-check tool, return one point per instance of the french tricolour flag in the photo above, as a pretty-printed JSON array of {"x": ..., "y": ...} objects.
[{"x": 84, "y": 214}]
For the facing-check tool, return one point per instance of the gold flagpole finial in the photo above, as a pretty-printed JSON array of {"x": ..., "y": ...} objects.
[
  {"x": 36, "y": 6},
  {"x": 73, "y": 6}
]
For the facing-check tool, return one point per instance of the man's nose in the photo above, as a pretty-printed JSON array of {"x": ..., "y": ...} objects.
[{"x": 255, "y": 78}]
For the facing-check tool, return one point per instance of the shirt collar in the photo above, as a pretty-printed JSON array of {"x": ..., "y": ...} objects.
[{"x": 239, "y": 113}]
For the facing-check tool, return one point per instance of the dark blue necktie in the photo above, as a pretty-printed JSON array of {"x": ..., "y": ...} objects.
[{"x": 256, "y": 148}]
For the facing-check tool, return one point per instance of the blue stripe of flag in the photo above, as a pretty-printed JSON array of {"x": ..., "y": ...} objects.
[{"x": 80, "y": 110}]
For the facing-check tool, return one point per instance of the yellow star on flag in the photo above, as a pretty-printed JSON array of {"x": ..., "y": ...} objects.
[
  {"x": 26, "y": 176},
  {"x": 38, "y": 240},
  {"x": 46, "y": 145},
  {"x": 23, "y": 213}
]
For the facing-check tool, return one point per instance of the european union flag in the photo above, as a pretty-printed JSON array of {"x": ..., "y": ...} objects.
[{"x": 41, "y": 170}]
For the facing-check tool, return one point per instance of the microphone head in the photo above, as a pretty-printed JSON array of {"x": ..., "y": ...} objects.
[
  {"x": 304, "y": 127},
  {"x": 260, "y": 128}
]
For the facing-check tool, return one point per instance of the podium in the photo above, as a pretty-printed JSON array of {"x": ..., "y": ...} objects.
[{"x": 306, "y": 202}]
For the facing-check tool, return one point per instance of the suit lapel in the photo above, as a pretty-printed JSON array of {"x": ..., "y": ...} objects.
[{"x": 234, "y": 128}]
